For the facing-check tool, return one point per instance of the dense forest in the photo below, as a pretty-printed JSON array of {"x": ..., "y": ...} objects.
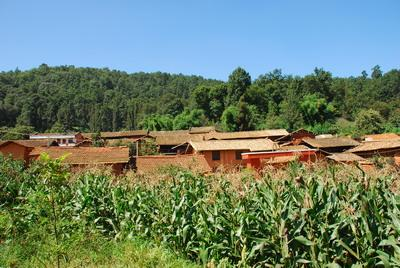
[{"x": 66, "y": 98}]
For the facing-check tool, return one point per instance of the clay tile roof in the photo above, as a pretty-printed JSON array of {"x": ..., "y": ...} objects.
[
  {"x": 201, "y": 130},
  {"x": 167, "y": 133},
  {"x": 375, "y": 146},
  {"x": 246, "y": 134},
  {"x": 31, "y": 143},
  {"x": 331, "y": 142},
  {"x": 248, "y": 144},
  {"x": 384, "y": 136},
  {"x": 86, "y": 155},
  {"x": 293, "y": 147},
  {"x": 123, "y": 134},
  {"x": 178, "y": 139},
  {"x": 346, "y": 157},
  {"x": 148, "y": 164}
]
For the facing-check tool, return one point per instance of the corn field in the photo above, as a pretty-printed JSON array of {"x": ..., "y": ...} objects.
[{"x": 329, "y": 216}]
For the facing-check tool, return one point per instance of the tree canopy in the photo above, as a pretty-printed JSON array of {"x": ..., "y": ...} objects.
[{"x": 66, "y": 98}]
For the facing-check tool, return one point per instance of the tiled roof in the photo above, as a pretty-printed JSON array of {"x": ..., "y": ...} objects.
[
  {"x": 31, "y": 143},
  {"x": 147, "y": 164},
  {"x": 331, "y": 142},
  {"x": 376, "y": 146},
  {"x": 384, "y": 136},
  {"x": 293, "y": 147},
  {"x": 246, "y": 134},
  {"x": 178, "y": 139},
  {"x": 345, "y": 157},
  {"x": 168, "y": 133},
  {"x": 200, "y": 130},
  {"x": 86, "y": 155},
  {"x": 246, "y": 144}
]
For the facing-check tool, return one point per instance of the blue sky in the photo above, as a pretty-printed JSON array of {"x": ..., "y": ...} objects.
[{"x": 208, "y": 38}]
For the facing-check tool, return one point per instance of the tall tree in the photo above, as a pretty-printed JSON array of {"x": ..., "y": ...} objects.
[{"x": 239, "y": 81}]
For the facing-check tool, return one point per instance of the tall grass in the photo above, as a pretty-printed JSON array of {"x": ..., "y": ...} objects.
[{"x": 314, "y": 216}]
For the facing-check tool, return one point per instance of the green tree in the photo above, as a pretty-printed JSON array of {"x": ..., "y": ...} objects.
[
  {"x": 188, "y": 119},
  {"x": 376, "y": 72},
  {"x": 229, "y": 119},
  {"x": 239, "y": 81},
  {"x": 157, "y": 122},
  {"x": 369, "y": 122},
  {"x": 316, "y": 110}
]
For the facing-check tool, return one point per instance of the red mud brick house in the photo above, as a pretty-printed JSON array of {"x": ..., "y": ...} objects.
[
  {"x": 62, "y": 139},
  {"x": 20, "y": 149},
  {"x": 295, "y": 137},
  {"x": 228, "y": 153},
  {"x": 155, "y": 163},
  {"x": 81, "y": 157},
  {"x": 330, "y": 145},
  {"x": 280, "y": 157}
]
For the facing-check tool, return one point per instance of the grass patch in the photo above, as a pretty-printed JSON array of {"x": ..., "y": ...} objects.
[{"x": 89, "y": 251}]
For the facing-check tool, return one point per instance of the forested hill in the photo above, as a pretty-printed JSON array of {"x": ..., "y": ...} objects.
[
  {"x": 66, "y": 98},
  {"x": 90, "y": 99}
]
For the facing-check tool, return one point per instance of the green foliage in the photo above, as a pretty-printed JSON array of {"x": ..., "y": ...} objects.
[
  {"x": 188, "y": 119},
  {"x": 316, "y": 110},
  {"x": 97, "y": 141},
  {"x": 369, "y": 122},
  {"x": 239, "y": 81},
  {"x": 16, "y": 133},
  {"x": 66, "y": 98},
  {"x": 157, "y": 122},
  {"x": 229, "y": 119}
]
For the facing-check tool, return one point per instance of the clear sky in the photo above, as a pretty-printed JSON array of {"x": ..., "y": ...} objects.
[{"x": 207, "y": 37}]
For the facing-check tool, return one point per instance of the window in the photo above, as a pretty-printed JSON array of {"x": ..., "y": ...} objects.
[
  {"x": 70, "y": 141},
  {"x": 216, "y": 155},
  {"x": 239, "y": 155}
]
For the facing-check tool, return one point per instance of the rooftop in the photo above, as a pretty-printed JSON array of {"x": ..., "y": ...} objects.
[
  {"x": 331, "y": 142},
  {"x": 176, "y": 139},
  {"x": 384, "y": 136},
  {"x": 375, "y": 146},
  {"x": 346, "y": 157},
  {"x": 31, "y": 143},
  {"x": 246, "y": 134},
  {"x": 201, "y": 130},
  {"x": 153, "y": 163},
  {"x": 86, "y": 155}
]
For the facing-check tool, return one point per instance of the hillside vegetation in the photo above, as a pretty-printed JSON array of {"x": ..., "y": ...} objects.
[
  {"x": 302, "y": 215},
  {"x": 66, "y": 98}
]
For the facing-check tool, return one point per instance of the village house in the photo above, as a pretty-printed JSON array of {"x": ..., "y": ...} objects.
[
  {"x": 330, "y": 145},
  {"x": 155, "y": 163},
  {"x": 61, "y": 138},
  {"x": 81, "y": 157},
  {"x": 228, "y": 153},
  {"x": 168, "y": 141},
  {"x": 20, "y": 149}
]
